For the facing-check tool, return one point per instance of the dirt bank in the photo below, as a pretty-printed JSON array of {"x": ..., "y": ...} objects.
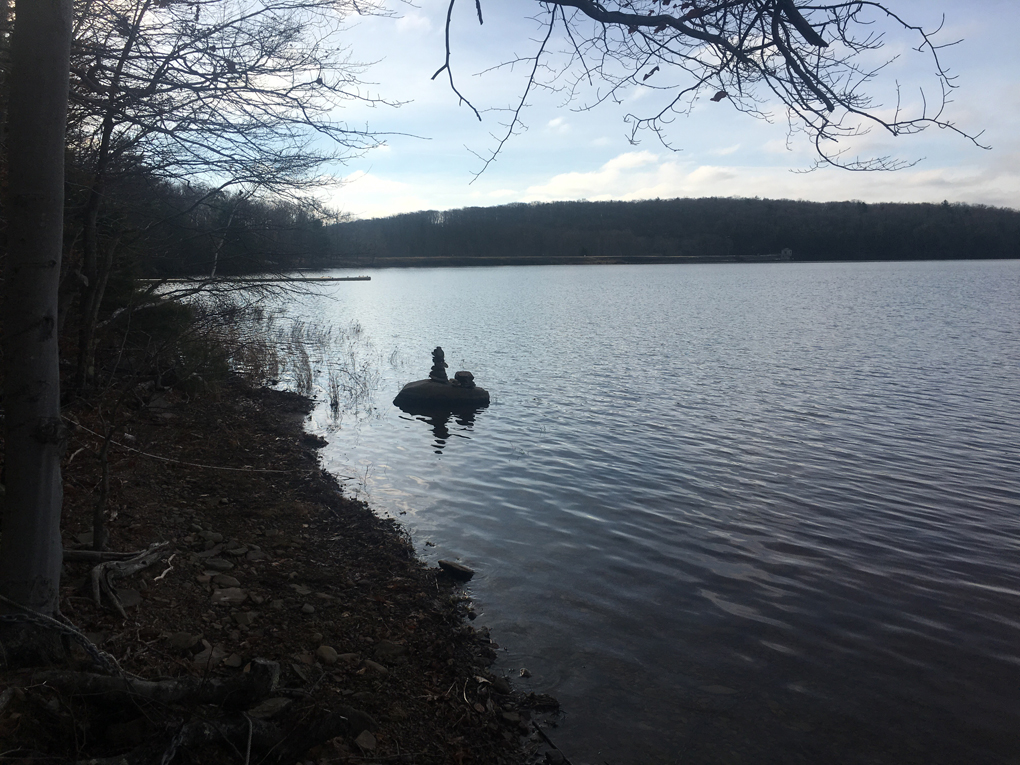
[{"x": 264, "y": 559}]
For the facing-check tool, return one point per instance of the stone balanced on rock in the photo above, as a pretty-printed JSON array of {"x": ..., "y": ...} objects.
[
  {"x": 438, "y": 392},
  {"x": 439, "y": 365},
  {"x": 464, "y": 380}
]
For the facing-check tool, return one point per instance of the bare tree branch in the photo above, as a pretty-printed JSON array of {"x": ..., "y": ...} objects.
[
  {"x": 809, "y": 58},
  {"x": 515, "y": 120},
  {"x": 446, "y": 65}
]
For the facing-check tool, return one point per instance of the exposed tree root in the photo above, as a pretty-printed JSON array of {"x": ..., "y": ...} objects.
[
  {"x": 99, "y": 556},
  {"x": 104, "y": 574}
]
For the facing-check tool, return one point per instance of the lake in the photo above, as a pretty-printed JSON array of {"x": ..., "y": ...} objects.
[{"x": 734, "y": 513}]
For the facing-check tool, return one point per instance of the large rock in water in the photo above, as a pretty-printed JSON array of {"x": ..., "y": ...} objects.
[{"x": 437, "y": 395}]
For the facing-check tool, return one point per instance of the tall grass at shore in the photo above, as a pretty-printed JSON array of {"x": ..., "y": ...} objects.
[{"x": 268, "y": 347}]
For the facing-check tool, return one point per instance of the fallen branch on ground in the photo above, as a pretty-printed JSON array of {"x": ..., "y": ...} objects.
[{"x": 235, "y": 692}]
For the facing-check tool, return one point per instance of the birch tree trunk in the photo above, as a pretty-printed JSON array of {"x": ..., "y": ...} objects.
[{"x": 30, "y": 546}]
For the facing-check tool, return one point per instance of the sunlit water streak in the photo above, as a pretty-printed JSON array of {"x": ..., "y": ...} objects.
[{"x": 730, "y": 513}]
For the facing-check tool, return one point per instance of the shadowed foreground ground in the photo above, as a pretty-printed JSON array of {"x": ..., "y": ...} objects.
[{"x": 260, "y": 565}]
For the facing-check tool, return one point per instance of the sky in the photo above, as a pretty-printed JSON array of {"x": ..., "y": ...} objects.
[{"x": 429, "y": 159}]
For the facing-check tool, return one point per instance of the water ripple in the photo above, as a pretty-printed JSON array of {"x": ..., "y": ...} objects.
[{"x": 795, "y": 483}]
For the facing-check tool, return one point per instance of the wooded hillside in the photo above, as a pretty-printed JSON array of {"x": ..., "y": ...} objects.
[{"x": 710, "y": 229}]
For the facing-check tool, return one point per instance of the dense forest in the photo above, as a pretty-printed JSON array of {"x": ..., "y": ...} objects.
[
  {"x": 168, "y": 229},
  {"x": 666, "y": 230},
  {"x": 188, "y": 231}
]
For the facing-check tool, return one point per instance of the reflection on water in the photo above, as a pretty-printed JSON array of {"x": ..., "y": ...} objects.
[
  {"x": 439, "y": 421},
  {"x": 725, "y": 513}
]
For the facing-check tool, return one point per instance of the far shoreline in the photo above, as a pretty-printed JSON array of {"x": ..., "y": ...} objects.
[{"x": 384, "y": 264}]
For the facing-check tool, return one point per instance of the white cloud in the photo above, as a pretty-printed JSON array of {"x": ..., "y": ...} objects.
[
  {"x": 707, "y": 174},
  {"x": 365, "y": 195},
  {"x": 633, "y": 95},
  {"x": 414, "y": 24},
  {"x": 726, "y": 151},
  {"x": 558, "y": 125},
  {"x": 599, "y": 184},
  {"x": 641, "y": 175},
  {"x": 630, "y": 160}
]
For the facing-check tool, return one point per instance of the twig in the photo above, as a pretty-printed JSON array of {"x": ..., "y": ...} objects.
[
  {"x": 549, "y": 741},
  {"x": 168, "y": 570},
  {"x": 247, "y": 751}
]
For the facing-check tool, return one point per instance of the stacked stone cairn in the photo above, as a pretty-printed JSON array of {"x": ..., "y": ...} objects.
[
  {"x": 439, "y": 392},
  {"x": 439, "y": 365}
]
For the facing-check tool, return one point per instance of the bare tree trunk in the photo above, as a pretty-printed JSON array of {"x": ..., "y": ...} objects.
[
  {"x": 30, "y": 549},
  {"x": 221, "y": 242},
  {"x": 93, "y": 289}
]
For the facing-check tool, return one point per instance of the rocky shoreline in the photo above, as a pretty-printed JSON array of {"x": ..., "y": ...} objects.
[{"x": 263, "y": 559}]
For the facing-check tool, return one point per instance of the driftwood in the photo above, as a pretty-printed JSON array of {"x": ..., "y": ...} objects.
[{"x": 104, "y": 574}]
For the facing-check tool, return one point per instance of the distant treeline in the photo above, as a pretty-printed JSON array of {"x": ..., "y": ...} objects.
[
  {"x": 191, "y": 230},
  {"x": 711, "y": 229}
]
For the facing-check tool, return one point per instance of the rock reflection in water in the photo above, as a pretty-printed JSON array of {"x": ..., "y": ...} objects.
[{"x": 439, "y": 421}]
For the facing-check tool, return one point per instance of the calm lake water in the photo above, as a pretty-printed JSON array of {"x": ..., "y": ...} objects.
[{"x": 724, "y": 513}]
